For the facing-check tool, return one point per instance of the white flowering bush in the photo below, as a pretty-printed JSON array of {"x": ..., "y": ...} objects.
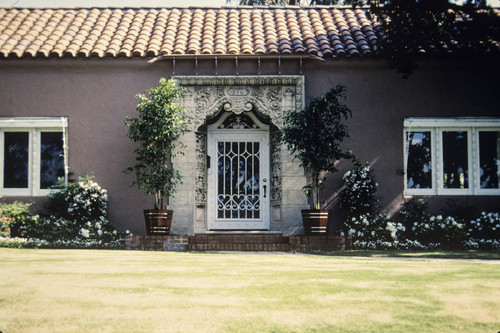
[
  {"x": 446, "y": 231},
  {"x": 83, "y": 200},
  {"x": 78, "y": 218},
  {"x": 406, "y": 244},
  {"x": 413, "y": 212},
  {"x": 484, "y": 232},
  {"x": 368, "y": 231},
  {"x": 19, "y": 242},
  {"x": 358, "y": 196}
]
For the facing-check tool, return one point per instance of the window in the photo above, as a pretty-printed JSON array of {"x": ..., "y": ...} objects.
[
  {"x": 452, "y": 156},
  {"x": 419, "y": 172},
  {"x": 33, "y": 154}
]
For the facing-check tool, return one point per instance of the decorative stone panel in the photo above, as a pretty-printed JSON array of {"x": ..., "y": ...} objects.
[{"x": 204, "y": 97}]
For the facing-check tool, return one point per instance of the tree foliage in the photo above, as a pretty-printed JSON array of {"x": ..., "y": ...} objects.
[
  {"x": 156, "y": 128},
  {"x": 296, "y": 2},
  {"x": 315, "y": 133},
  {"x": 409, "y": 27},
  {"x": 439, "y": 26}
]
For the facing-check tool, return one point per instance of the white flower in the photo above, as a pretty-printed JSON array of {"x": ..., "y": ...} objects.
[{"x": 85, "y": 233}]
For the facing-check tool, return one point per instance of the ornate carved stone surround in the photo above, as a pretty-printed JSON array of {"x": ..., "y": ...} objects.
[{"x": 270, "y": 96}]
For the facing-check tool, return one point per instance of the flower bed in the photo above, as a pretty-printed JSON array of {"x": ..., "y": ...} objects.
[
  {"x": 77, "y": 219},
  {"x": 417, "y": 230}
]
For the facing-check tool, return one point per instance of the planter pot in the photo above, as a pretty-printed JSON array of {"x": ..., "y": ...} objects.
[
  {"x": 315, "y": 221},
  {"x": 158, "y": 222}
]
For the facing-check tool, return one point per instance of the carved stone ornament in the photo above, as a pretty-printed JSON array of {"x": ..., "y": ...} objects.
[
  {"x": 271, "y": 96},
  {"x": 201, "y": 167}
]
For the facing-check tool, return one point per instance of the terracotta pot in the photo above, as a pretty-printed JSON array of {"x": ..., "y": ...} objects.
[
  {"x": 158, "y": 221},
  {"x": 315, "y": 221}
]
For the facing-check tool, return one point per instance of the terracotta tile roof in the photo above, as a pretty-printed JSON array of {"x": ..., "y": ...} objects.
[{"x": 318, "y": 31}]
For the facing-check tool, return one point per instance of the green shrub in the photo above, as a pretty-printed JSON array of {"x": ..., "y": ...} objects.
[
  {"x": 484, "y": 232},
  {"x": 446, "y": 232},
  {"x": 358, "y": 196},
  {"x": 78, "y": 219},
  {"x": 14, "y": 218},
  {"x": 83, "y": 200},
  {"x": 372, "y": 231},
  {"x": 414, "y": 211}
]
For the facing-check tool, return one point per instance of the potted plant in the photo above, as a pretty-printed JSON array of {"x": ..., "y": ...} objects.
[
  {"x": 156, "y": 130},
  {"x": 314, "y": 135}
]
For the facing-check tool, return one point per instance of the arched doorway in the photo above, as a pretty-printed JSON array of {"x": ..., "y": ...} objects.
[
  {"x": 238, "y": 172},
  {"x": 266, "y": 99}
]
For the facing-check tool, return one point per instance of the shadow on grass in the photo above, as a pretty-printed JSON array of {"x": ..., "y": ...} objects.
[{"x": 463, "y": 254}]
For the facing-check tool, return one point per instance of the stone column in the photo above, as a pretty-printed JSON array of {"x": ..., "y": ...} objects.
[
  {"x": 293, "y": 197},
  {"x": 183, "y": 202}
]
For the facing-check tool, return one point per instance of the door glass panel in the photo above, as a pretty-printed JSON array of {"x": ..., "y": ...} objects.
[
  {"x": 419, "y": 164},
  {"x": 52, "y": 158},
  {"x": 238, "y": 190},
  {"x": 489, "y": 159},
  {"x": 455, "y": 160},
  {"x": 16, "y": 158}
]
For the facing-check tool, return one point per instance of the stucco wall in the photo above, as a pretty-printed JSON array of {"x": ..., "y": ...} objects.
[
  {"x": 379, "y": 99},
  {"x": 98, "y": 94}
]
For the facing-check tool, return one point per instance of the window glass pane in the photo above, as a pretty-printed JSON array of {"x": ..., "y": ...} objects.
[
  {"x": 419, "y": 166},
  {"x": 51, "y": 158},
  {"x": 16, "y": 158},
  {"x": 455, "y": 160},
  {"x": 489, "y": 159}
]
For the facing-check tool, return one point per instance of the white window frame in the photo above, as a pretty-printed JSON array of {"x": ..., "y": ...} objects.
[
  {"x": 437, "y": 126},
  {"x": 422, "y": 191},
  {"x": 34, "y": 126}
]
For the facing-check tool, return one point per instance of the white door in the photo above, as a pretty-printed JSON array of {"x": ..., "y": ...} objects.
[{"x": 238, "y": 180}]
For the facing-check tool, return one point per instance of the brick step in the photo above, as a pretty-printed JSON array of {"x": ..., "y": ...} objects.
[{"x": 238, "y": 242}]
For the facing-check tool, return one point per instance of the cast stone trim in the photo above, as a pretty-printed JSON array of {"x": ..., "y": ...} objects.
[
  {"x": 270, "y": 96},
  {"x": 205, "y": 96}
]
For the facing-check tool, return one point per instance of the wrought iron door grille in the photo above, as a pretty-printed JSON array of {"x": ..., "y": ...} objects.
[{"x": 238, "y": 186}]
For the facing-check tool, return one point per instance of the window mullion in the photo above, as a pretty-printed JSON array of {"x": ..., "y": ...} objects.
[
  {"x": 474, "y": 161},
  {"x": 439, "y": 160},
  {"x": 34, "y": 164}
]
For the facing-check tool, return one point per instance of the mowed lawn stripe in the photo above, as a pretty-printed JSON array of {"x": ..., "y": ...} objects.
[{"x": 135, "y": 291}]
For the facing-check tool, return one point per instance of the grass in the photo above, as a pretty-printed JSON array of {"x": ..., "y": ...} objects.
[
  {"x": 127, "y": 291},
  {"x": 459, "y": 254}
]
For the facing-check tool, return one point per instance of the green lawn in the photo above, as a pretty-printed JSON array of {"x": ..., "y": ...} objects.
[
  {"x": 459, "y": 254},
  {"x": 127, "y": 291}
]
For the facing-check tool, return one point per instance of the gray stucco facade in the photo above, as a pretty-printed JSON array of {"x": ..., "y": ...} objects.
[{"x": 97, "y": 94}]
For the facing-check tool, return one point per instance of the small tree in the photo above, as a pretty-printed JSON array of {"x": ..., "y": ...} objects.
[
  {"x": 315, "y": 134},
  {"x": 156, "y": 129}
]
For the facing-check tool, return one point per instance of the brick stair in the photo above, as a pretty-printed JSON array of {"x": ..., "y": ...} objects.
[{"x": 238, "y": 242}]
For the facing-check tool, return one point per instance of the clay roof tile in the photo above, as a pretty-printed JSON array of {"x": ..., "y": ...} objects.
[{"x": 322, "y": 30}]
